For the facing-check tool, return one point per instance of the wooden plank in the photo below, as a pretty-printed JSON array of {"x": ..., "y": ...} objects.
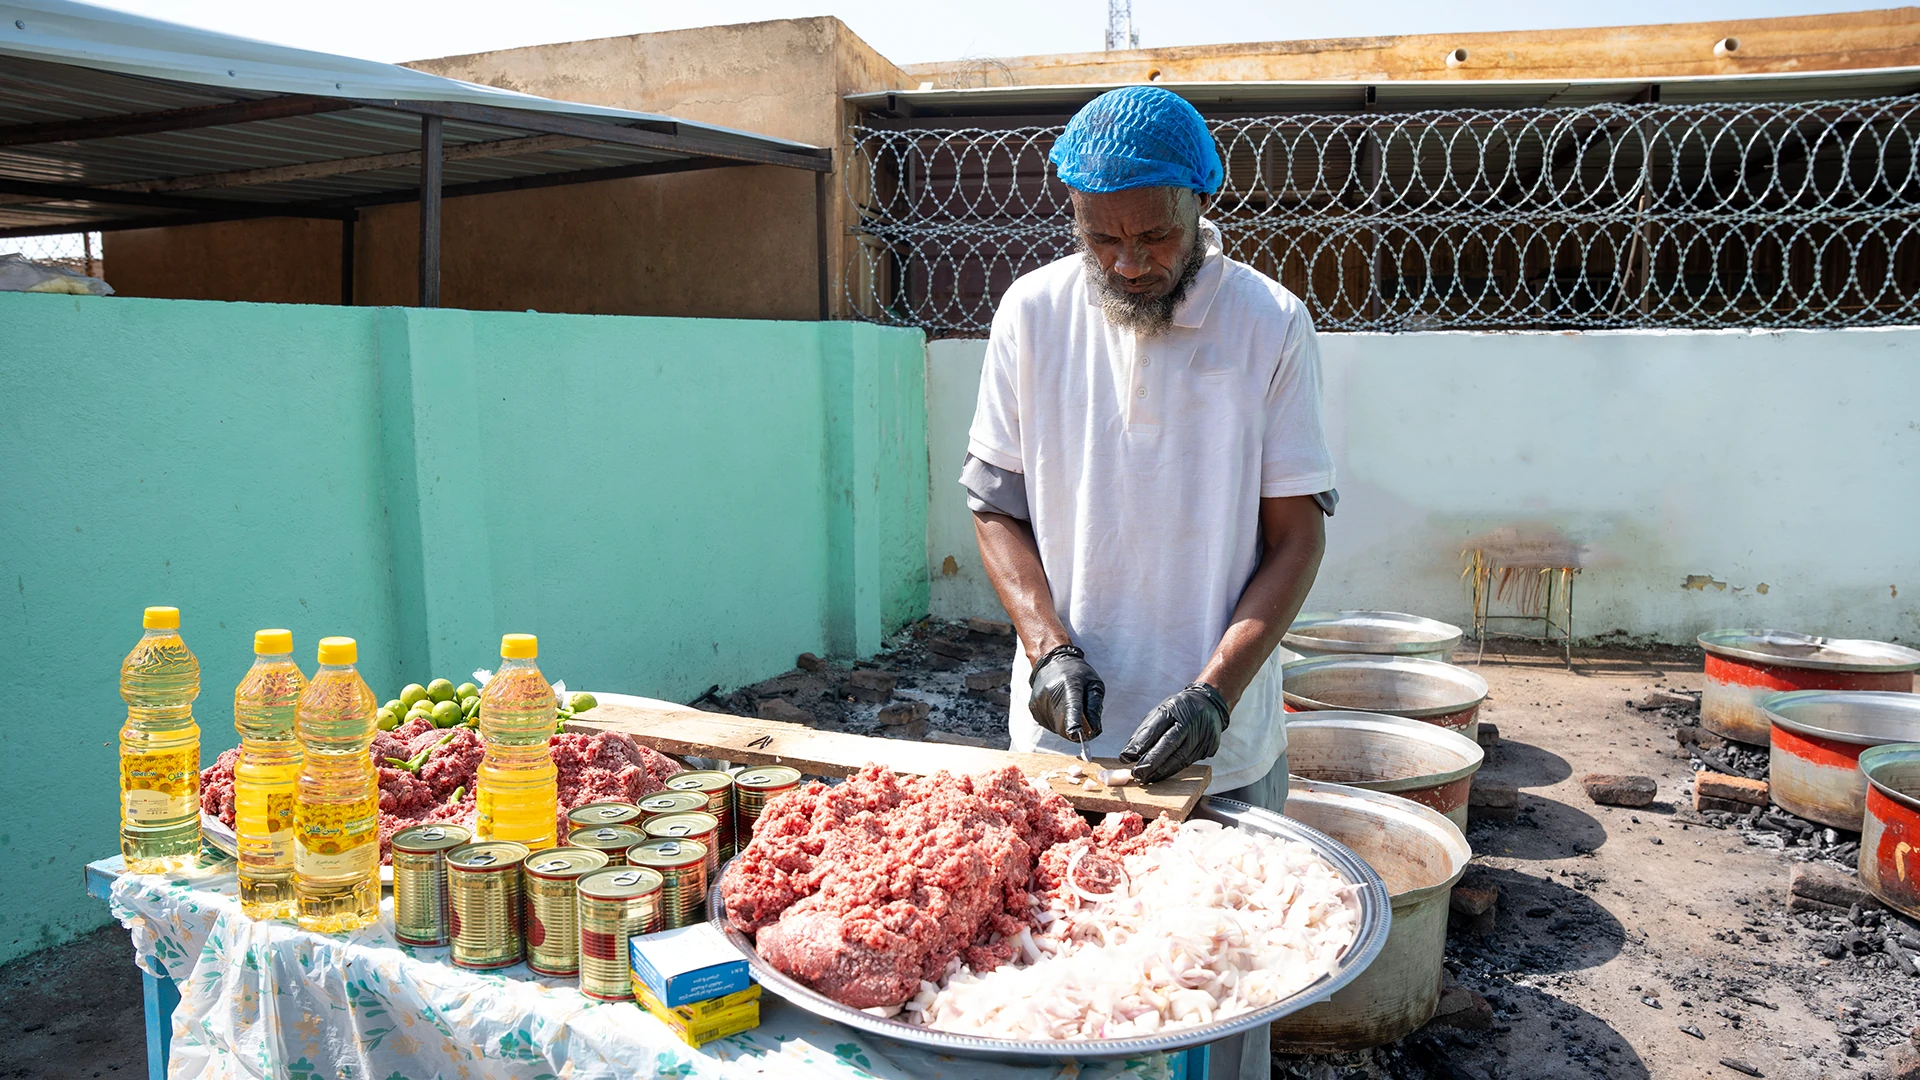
[{"x": 682, "y": 732}]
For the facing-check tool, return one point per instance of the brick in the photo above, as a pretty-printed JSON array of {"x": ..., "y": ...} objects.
[
  {"x": 1462, "y": 1008},
  {"x": 942, "y": 663},
  {"x": 871, "y": 686},
  {"x": 1828, "y": 884},
  {"x": 1612, "y": 789},
  {"x": 1903, "y": 1063},
  {"x": 1493, "y": 795},
  {"x": 1705, "y": 803},
  {"x": 784, "y": 711},
  {"x": 810, "y": 662},
  {"x": 979, "y": 682},
  {"x": 990, "y": 628},
  {"x": 1487, "y": 732},
  {"x": 1731, "y": 788},
  {"x": 999, "y": 697},
  {"x": 1474, "y": 899},
  {"x": 905, "y": 712},
  {"x": 1694, "y": 735},
  {"x": 947, "y": 647}
]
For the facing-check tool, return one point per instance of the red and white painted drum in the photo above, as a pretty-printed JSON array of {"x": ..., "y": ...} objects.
[
  {"x": 1818, "y": 736},
  {"x": 1433, "y": 766},
  {"x": 1746, "y": 666},
  {"x": 1424, "y": 690},
  {"x": 1890, "y": 832}
]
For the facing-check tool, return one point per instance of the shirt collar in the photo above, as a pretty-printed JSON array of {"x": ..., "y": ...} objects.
[{"x": 1192, "y": 311}]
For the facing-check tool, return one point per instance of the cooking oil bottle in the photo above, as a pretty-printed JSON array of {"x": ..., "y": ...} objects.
[
  {"x": 336, "y": 806},
  {"x": 265, "y": 776},
  {"x": 160, "y": 749},
  {"x": 517, "y": 797}
]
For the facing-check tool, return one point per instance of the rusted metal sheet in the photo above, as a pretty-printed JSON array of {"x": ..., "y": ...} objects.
[
  {"x": 1413, "y": 759},
  {"x": 1890, "y": 832},
  {"x": 1374, "y": 633},
  {"x": 1424, "y": 690},
  {"x": 1744, "y": 667},
  {"x": 1818, "y": 735},
  {"x": 1420, "y": 855}
]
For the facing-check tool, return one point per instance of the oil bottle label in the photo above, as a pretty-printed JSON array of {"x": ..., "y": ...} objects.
[
  {"x": 334, "y": 838},
  {"x": 160, "y": 786},
  {"x": 263, "y": 820}
]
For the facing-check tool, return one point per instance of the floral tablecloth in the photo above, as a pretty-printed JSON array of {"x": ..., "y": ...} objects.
[{"x": 271, "y": 1000}]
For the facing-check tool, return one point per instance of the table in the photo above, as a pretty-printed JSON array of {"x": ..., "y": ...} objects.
[{"x": 226, "y": 996}]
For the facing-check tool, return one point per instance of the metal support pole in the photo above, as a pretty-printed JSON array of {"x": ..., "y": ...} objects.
[
  {"x": 430, "y": 163},
  {"x": 346, "y": 258},
  {"x": 822, "y": 240}
]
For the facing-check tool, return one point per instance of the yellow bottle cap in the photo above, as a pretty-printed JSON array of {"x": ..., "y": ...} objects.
[
  {"x": 338, "y": 650},
  {"x": 272, "y": 642},
  {"x": 161, "y": 618},
  {"x": 519, "y": 647}
]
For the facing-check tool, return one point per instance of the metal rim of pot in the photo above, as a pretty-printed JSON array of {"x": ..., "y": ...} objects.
[
  {"x": 1443, "y": 738},
  {"x": 1440, "y": 636},
  {"x": 1878, "y": 757},
  {"x": 1765, "y": 647},
  {"x": 1432, "y": 669},
  {"x": 1772, "y": 705}
]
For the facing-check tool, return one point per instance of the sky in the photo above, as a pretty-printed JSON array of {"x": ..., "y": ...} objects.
[{"x": 907, "y": 31}]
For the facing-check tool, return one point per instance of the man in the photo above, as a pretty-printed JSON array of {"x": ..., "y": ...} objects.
[{"x": 1146, "y": 466}]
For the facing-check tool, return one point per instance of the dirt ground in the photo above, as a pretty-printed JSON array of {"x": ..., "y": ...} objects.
[{"x": 1619, "y": 934}]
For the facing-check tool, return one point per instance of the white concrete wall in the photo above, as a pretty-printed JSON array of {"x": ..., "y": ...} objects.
[{"x": 1713, "y": 479}]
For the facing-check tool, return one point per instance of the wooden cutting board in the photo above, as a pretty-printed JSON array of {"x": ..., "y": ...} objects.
[{"x": 681, "y": 731}]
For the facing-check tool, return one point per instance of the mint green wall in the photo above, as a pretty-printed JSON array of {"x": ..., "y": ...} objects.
[{"x": 668, "y": 503}]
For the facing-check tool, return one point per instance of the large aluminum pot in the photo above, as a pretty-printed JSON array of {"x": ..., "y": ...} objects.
[
  {"x": 1431, "y": 765},
  {"x": 1377, "y": 633},
  {"x": 1419, "y": 854},
  {"x": 1813, "y": 767},
  {"x": 1425, "y": 690},
  {"x": 1890, "y": 830},
  {"x": 1745, "y": 666}
]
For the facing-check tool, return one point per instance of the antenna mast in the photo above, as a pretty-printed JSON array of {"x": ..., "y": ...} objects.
[{"x": 1120, "y": 31}]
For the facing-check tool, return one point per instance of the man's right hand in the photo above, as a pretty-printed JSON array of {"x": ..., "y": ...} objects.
[{"x": 1066, "y": 694}]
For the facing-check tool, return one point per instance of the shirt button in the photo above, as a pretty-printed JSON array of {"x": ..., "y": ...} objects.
[
  {"x": 1146, "y": 361},
  {"x": 1142, "y": 392}
]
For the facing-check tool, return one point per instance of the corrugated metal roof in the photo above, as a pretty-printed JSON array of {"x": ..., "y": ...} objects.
[
  {"x": 1407, "y": 95},
  {"x": 109, "y": 120}
]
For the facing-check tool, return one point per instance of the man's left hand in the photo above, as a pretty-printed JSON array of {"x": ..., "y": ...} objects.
[{"x": 1181, "y": 730}]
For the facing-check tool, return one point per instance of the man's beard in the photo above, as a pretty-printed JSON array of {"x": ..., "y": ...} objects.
[{"x": 1143, "y": 314}]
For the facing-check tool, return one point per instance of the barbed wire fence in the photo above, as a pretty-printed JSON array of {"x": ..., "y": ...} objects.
[
  {"x": 1695, "y": 216},
  {"x": 75, "y": 251}
]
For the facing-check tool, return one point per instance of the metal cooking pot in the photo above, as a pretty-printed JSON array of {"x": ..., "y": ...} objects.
[
  {"x": 1890, "y": 832},
  {"x": 1425, "y": 690},
  {"x": 1813, "y": 767},
  {"x": 1745, "y": 666},
  {"x": 1419, "y": 854},
  {"x": 1378, "y": 633},
  {"x": 1431, "y": 765}
]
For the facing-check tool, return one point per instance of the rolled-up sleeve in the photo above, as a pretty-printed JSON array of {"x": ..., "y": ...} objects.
[{"x": 1294, "y": 458}]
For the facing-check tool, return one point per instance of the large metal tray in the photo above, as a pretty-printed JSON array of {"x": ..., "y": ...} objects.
[{"x": 1370, "y": 901}]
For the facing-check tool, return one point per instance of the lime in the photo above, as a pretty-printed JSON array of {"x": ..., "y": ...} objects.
[
  {"x": 425, "y": 708},
  {"x": 388, "y": 720},
  {"x": 469, "y": 706},
  {"x": 581, "y": 702},
  {"x": 446, "y": 714},
  {"x": 466, "y": 690},
  {"x": 440, "y": 690},
  {"x": 413, "y": 693}
]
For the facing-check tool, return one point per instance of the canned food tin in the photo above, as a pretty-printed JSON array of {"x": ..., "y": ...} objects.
[
  {"x": 682, "y": 865},
  {"x": 718, "y": 788},
  {"x": 672, "y": 802},
  {"x": 594, "y": 815},
  {"x": 695, "y": 825},
  {"x": 616, "y": 903},
  {"x": 753, "y": 789},
  {"x": 552, "y": 919},
  {"x": 421, "y": 915},
  {"x": 611, "y": 840},
  {"x": 483, "y": 883}
]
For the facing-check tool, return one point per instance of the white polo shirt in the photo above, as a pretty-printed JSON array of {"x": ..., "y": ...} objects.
[{"x": 1145, "y": 461}]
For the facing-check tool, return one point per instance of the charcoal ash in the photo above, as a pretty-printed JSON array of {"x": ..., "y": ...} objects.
[{"x": 1732, "y": 759}]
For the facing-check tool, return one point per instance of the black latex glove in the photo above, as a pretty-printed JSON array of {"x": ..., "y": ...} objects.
[
  {"x": 1066, "y": 694},
  {"x": 1181, "y": 730}
]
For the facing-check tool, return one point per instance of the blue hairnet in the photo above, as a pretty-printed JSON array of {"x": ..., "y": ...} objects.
[{"x": 1137, "y": 136}]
